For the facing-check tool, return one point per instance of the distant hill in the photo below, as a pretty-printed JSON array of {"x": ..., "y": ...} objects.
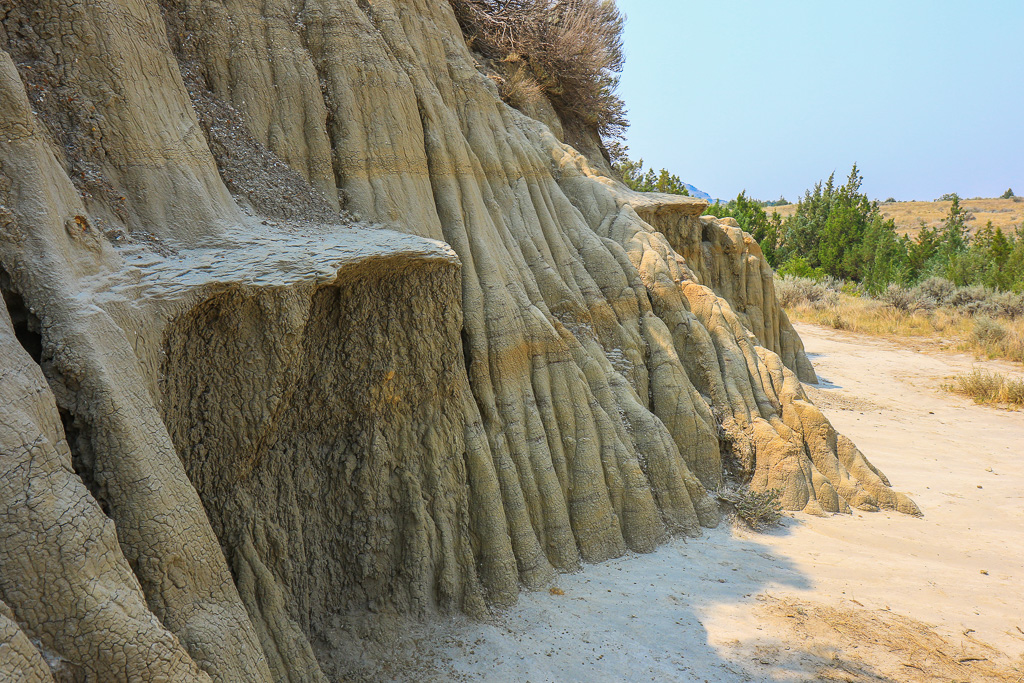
[
  {"x": 694, "y": 192},
  {"x": 700, "y": 194},
  {"x": 1004, "y": 213}
]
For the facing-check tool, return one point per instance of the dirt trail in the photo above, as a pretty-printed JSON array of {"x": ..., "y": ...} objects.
[{"x": 882, "y": 597}]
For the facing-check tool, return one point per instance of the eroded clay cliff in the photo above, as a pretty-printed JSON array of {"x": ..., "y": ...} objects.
[{"x": 240, "y": 430}]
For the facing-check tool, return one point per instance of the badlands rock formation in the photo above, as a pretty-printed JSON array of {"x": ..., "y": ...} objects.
[{"x": 240, "y": 430}]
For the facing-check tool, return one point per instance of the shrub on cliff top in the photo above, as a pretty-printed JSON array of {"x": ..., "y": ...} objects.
[{"x": 570, "y": 50}]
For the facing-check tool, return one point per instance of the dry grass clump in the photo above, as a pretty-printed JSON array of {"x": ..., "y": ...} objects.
[
  {"x": 518, "y": 88},
  {"x": 569, "y": 50},
  {"x": 835, "y": 320},
  {"x": 988, "y": 387},
  {"x": 998, "y": 338},
  {"x": 758, "y": 510}
]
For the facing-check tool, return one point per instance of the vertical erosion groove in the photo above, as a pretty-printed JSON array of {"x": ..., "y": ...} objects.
[
  {"x": 325, "y": 431},
  {"x": 421, "y": 434},
  {"x": 29, "y": 335}
]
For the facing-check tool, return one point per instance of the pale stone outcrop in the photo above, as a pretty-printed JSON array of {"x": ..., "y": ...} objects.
[{"x": 241, "y": 430}]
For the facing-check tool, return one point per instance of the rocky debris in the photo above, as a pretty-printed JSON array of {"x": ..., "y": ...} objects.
[{"x": 253, "y": 173}]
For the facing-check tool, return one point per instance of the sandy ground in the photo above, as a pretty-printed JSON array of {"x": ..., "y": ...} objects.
[{"x": 867, "y": 597}]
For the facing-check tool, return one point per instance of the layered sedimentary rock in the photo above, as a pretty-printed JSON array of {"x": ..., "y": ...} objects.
[
  {"x": 729, "y": 261},
  {"x": 240, "y": 429}
]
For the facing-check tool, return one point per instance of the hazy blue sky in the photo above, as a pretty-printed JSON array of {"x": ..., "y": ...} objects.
[{"x": 926, "y": 97}]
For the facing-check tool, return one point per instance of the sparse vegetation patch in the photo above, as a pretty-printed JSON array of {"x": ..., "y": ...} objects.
[
  {"x": 988, "y": 323},
  {"x": 988, "y": 387},
  {"x": 836, "y": 230},
  {"x": 568, "y": 50},
  {"x": 636, "y": 178},
  {"x": 759, "y": 510}
]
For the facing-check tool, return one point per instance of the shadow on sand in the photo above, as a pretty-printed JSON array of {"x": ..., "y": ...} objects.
[{"x": 638, "y": 618}]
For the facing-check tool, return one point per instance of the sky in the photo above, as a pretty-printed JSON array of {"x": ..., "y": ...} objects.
[{"x": 926, "y": 97}]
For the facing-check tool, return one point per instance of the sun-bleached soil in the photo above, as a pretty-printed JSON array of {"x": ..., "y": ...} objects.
[{"x": 868, "y": 597}]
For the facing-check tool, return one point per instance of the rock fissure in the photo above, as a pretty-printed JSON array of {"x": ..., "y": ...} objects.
[{"x": 28, "y": 332}]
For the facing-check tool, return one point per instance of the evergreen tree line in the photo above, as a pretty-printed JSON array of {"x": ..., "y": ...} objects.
[
  {"x": 636, "y": 178},
  {"x": 837, "y": 231}
]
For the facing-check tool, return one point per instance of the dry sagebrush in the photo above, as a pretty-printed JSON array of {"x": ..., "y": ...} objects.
[
  {"x": 569, "y": 50},
  {"x": 804, "y": 291},
  {"x": 987, "y": 323},
  {"x": 989, "y": 387},
  {"x": 759, "y": 510}
]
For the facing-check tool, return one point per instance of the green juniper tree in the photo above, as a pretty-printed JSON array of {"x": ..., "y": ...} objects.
[
  {"x": 752, "y": 217},
  {"x": 838, "y": 231},
  {"x": 632, "y": 173}
]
